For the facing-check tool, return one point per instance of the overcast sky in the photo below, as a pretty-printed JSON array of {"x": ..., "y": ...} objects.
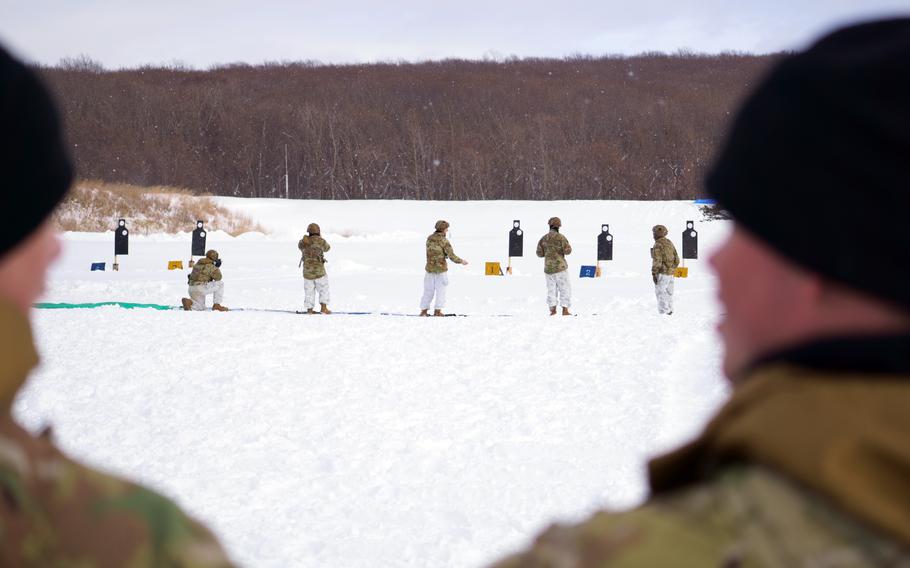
[{"x": 201, "y": 33}]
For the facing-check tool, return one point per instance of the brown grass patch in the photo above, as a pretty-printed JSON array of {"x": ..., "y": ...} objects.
[{"x": 94, "y": 206}]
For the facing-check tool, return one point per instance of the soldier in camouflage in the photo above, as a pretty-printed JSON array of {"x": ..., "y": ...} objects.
[
  {"x": 436, "y": 280},
  {"x": 553, "y": 247},
  {"x": 205, "y": 279},
  {"x": 808, "y": 462},
  {"x": 664, "y": 261},
  {"x": 312, "y": 249},
  {"x": 56, "y": 512}
]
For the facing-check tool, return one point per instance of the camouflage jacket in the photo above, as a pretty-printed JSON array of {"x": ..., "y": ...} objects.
[
  {"x": 802, "y": 467},
  {"x": 664, "y": 259},
  {"x": 313, "y": 249},
  {"x": 203, "y": 272},
  {"x": 438, "y": 250},
  {"x": 553, "y": 247},
  {"x": 56, "y": 512}
]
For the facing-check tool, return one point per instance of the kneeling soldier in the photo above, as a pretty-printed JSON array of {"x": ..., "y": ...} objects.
[
  {"x": 205, "y": 279},
  {"x": 313, "y": 248}
]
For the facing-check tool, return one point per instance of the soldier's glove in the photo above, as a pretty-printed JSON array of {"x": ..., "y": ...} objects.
[
  {"x": 654, "y": 277},
  {"x": 218, "y": 263}
]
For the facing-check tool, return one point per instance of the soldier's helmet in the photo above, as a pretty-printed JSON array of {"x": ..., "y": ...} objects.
[
  {"x": 555, "y": 222},
  {"x": 659, "y": 231},
  {"x": 441, "y": 226},
  {"x": 212, "y": 254},
  {"x": 312, "y": 229}
]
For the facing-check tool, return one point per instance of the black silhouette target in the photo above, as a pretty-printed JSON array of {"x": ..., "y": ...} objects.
[{"x": 605, "y": 243}]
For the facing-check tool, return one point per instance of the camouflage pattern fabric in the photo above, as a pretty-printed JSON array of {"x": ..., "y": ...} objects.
[
  {"x": 58, "y": 513},
  {"x": 745, "y": 517},
  {"x": 313, "y": 248},
  {"x": 664, "y": 259},
  {"x": 553, "y": 247},
  {"x": 438, "y": 251},
  {"x": 204, "y": 271},
  {"x": 766, "y": 484}
]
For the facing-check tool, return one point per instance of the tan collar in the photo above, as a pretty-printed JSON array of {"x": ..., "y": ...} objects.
[
  {"x": 17, "y": 353},
  {"x": 842, "y": 435}
]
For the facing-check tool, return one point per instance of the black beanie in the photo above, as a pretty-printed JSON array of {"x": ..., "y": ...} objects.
[
  {"x": 34, "y": 167},
  {"x": 817, "y": 164}
]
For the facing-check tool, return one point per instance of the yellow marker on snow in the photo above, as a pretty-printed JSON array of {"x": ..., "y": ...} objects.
[{"x": 493, "y": 269}]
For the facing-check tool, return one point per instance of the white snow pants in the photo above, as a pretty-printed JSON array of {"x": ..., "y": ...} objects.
[
  {"x": 559, "y": 290},
  {"x": 664, "y": 291},
  {"x": 311, "y": 288},
  {"x": 198, "y": 292},
  {"x": 434, "y": 285}
]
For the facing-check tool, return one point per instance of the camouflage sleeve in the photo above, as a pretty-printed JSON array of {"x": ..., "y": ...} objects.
[
  {"x": 216, "y": 274},
  {"x": 450, "y": 252},
  {"x": 61, "y": 513},
  {"x": 566, "y": 247},
  {"x": 540, "y": 249},
  {"x": 644, "y": 537},
  {"x": 326, "y": 246},
  {"x": 675, "y": 257},
  {"x": 301, "y": 244}
]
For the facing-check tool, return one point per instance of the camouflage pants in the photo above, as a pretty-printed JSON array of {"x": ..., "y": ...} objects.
[
  {"x": 664, "y": 291},
  {"x": 311, "y": 288},
  {"x": 434, "y": 285},
  {"x": 198, "y": 292},
  {"x": 559, "y": 290}
]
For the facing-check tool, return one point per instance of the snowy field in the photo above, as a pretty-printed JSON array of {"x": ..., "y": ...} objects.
[{"x": 355, "y": 441}]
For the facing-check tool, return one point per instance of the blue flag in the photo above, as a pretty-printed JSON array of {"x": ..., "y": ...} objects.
[{"x": 97, "y": 266}]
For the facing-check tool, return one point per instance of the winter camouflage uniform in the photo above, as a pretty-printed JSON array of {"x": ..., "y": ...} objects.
[
  {"x": 313, "y": 248},
  {"x": 58, "y": 513},
  {"x": 553, "y": 248},
  {"x": 205, "y": 279},
  {"x": 205, "y": 270},
  {"x": 436, "y": 280},
  {"x": 315, "y": 281},
  {"x": 769, "y": 483},
  {"x": 664, "y": 261},
  {"x": 439, "y": 249}
]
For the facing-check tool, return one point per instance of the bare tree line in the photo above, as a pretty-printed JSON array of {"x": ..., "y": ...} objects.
[{"x": 640, "y": 127}]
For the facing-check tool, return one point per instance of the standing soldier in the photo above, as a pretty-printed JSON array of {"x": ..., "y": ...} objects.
[
  {"x": 664, "y": 261},
  {"x": 205, "y": 279},
  {"x": 439, "y": 250},
  {"x": 554, "y": 247},
  {"x": 313, "y": 248}
]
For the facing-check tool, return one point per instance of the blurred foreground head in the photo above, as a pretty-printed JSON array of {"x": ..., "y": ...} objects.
[
  {"x": 36, "y": 174},
  {"x": 814, "y": 175}
]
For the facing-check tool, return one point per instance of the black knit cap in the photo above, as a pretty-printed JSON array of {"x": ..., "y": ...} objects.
[
  {"x": 817, "y": 163},
  {"x": 35, "y": 171}
]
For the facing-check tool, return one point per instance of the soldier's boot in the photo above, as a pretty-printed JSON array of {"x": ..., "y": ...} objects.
[
  {"x": 187, "y": 304},
  {"x": 424, "y": 314},
  {"x": 438, "y": 313},
  {"x": 219, "y": 308},
  {"x": 553, "y": 311},
  {"x": 310, "y": 311},
  {"x": 325, "y": 309},
  {"x": 565, "y": 311}
]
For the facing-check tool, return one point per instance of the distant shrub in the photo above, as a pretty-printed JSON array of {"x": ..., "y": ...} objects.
[
  {"x": 94, "y": 206},
  {"x": 714, "y": 212}
]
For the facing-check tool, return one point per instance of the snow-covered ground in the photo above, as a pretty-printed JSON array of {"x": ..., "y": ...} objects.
[{"x": 374, "y": 440}]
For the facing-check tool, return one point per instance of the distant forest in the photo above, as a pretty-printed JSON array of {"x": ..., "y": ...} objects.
[{"x": 642, "y": 127}]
